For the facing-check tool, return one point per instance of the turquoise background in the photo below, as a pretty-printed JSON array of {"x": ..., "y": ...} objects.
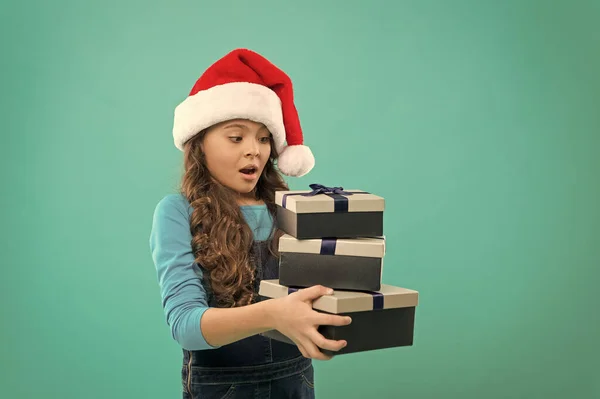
[{"x": 478, "y": 121}]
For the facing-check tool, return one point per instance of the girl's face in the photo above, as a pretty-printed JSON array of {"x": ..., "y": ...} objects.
[{"x": 236, "y": 152}]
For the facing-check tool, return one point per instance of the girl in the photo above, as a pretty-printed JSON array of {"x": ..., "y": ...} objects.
[{"x": 214, "y": 241}]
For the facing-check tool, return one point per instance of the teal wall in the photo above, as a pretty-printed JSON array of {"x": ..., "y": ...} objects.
[{"x": 478, "y": 121}]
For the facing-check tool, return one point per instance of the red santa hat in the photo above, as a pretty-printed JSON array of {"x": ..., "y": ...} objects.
[{"x": 245, "y": 85}]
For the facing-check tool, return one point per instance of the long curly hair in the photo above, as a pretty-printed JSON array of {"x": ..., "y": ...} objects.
[{"x": 221, "y": 238}]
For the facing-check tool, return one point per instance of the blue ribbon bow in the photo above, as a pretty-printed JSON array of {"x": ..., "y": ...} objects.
[
  {"x": 337, "y": 193},
  {"x": 321, "y": 189}
]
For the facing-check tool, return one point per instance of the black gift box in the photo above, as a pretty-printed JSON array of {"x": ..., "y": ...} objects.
[
  {"x": 380, "y": 320},
  {"x": 329, "y": 212},
  {"x": 346, "y": 264}
]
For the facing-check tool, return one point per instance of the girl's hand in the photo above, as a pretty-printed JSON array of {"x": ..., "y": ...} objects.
[{"x": 295, "y": 318}]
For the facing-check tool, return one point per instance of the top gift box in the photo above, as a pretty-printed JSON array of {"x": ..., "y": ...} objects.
[{"x": 329, "y": 212}]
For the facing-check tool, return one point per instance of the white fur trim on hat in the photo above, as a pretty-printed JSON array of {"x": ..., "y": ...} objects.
[
  {"x": 296, "y": 160},
  {"x": 237, "y": 100}
]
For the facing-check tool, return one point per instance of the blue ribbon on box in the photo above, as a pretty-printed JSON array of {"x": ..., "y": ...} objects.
[
  {"x": 377, "y": 297},
  {"x": 328, "y": 245},
  {"x": 340, "y": 202}
]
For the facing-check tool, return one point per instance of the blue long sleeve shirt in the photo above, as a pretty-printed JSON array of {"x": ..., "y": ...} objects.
[{"x": 184, "y": 298}]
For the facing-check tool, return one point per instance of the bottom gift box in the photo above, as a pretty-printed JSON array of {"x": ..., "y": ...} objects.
[{"x": 380, "y": 319}]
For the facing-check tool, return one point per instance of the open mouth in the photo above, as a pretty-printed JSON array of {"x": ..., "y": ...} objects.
[{"x": 249, "y": 170}]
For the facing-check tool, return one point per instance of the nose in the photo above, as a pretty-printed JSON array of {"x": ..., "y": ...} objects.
[{"x": 253, "y": 149}]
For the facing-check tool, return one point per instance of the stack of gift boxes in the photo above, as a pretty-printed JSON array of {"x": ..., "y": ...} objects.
[{"x": 334, "y": 237}]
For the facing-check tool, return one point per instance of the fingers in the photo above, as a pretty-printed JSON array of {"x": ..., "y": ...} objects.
[
  {"x": 314, "y": 292},
  {"x": 313, "y": 352},
  {"x": 312, "y": 345},
  {"x": 324, "y": 343},
  {"x": 302, "y": 350},
  {"x": 333, "y": 320}
]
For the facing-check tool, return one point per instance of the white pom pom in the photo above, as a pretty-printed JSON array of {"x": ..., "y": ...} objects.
[{"x": 296, "y": 160}]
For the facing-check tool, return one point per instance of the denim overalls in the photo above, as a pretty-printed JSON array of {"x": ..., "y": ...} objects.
[{"x": 254, "y": 367}]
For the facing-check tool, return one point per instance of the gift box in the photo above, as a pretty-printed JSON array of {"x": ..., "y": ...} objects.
[
  {"x": 380, "y": 320},
  {"x": 347, "y": 264},
  {"x": 329, "y": 212}
]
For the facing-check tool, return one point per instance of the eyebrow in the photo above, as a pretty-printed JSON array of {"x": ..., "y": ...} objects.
[
  {"x": 238, "y": 125},
  {"x": 229, "y": 126}
]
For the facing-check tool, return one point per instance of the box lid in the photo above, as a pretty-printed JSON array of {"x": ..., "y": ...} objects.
[
  {"x": 341, "y": 301},
  {"x": 371, "y": 247},
  {"x": 329, "y": 200}
]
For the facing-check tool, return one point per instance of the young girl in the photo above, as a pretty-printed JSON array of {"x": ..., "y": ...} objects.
[{"x": 214, "y": 241}]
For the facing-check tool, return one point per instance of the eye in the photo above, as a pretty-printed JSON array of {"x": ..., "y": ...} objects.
[
  {"x": 264, "y": 140},
  {"x": 235, "y": 139}
]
